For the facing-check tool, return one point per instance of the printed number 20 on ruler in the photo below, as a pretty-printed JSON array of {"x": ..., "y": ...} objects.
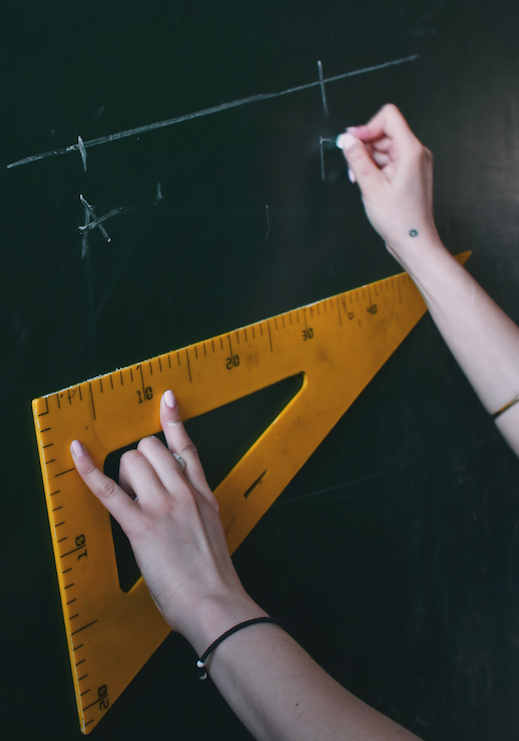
[{"x": 337, "y": 345}]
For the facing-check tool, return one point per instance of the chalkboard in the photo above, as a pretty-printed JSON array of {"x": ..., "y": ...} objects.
[{"x": 393, "y": 554}]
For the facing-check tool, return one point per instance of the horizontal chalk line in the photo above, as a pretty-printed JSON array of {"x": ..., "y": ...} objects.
[{"x": 204, "y": 112}]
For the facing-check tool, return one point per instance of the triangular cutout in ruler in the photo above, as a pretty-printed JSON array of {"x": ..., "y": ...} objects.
[{"x": 338, "y": 344}]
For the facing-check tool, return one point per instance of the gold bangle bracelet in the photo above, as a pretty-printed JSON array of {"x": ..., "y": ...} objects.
[{"x": 506, "y": 406}]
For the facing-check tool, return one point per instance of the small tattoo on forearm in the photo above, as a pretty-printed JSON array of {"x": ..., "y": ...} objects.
[{"x": 413, "y": 233}]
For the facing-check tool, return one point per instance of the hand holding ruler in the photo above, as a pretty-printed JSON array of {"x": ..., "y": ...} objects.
[{"x": 337, "y": 344}]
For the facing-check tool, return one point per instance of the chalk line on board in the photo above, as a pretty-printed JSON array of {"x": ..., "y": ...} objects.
[
  {"x": 82, "y": 152},
  {"x": 207, "y": 112},
  {"x": 321, "y": 83},
  {"x": 95, "y": 224}
]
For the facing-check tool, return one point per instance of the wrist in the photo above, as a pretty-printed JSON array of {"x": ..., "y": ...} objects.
[{"x": 215, "y": 615}]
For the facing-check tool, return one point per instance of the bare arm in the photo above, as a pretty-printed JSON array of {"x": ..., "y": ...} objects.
[
  {"x": 394, "y": 173},
  {"x": 177, "y": 537}
]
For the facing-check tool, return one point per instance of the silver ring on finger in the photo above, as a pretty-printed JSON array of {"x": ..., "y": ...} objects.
[{"x": 181, "y": 461}]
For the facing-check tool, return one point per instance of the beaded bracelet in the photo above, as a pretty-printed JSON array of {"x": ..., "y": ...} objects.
[{"x": 202, "y": 673}]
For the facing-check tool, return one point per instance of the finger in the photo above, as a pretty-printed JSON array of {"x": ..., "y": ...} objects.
[
  {"x": 360, "y": 162},
  {"x": 387, "y": 122},
  {"x": 179, "y": 442},
  {"x": 139, "y": 473},
  {"x": 165, "y": 466},
  {"x": 104, "y": 488}
]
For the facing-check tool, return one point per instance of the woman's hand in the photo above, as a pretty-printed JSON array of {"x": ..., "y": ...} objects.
[
  {"x": 394, "y": 173},
  {"x": 171, "y": 519}
]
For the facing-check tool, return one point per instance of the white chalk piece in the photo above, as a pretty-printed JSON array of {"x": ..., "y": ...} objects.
[{"x": 83, "y": 152}]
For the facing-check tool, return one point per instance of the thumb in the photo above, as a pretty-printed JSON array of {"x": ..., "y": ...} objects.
[{"x": 360, "y": 164}]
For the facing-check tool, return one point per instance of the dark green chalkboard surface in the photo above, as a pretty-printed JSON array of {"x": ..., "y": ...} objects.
[{"x": 393, "y": 554}]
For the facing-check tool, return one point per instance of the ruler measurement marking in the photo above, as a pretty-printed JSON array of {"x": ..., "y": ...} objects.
[
  {"x": 111, "y": 382},
  {"x": 81, "y": 695},
  {"x": 67, "y": 570},
  {"x": 131, "y": 374},
  {"x": 304, "y": 317},
  {"x": 245, "y": 333},
  {"x": 88, "y": 625},
  {"x": 59, "y": 523},
  {"x": 74, "y": 616},
  {"x": 45, "y": 430},
  {"x": 196, "y": 353},
  {"x": 75, "y": 549},
  {"x": 160, "y": 366},
  {"x": 270, "y": 336},
  {"x": 188, "y": 366},
  {"x": 78, "y": 647},
  {"x": 205, "y": 351},
  {"x": 212, "y": 342},
  {"x": 48, "y": 445},
  {"x": 221, "y": 342},
  {"x": 52, "y": 461},
  {"x": 142, "y": 379},
  {"x": 178, "y": 357},
  {"x": 92, "y": 399},
  {"x": 69, "y": 585},
  {"x": 56, "y": 508},
  {"x": 121, "y": 378},
  {"x": 70, "y": 602},
  {"x": 80, "y": 679},
  {"x": 261, "y": 329},
  {"x": 339, "y": 310},
  {"x": 101, "y": 385},
  {"x": 237, "y": 337},
  {"x": 151, "y": 369},
  {"x": 276, "y": 322},
  {"x": 57, "y": 397},
  {"x": 253, "y": 333},
  {"x": 69, "y": 470},
  {"x": 94, "y": 703},
  {"x": 42, "y": 414},
  {"x": 62, "y": 539},
  {"x": 80, "y": 394},
  {"x": 80, "y": 662},
  {"x": 169, "y": 361}
]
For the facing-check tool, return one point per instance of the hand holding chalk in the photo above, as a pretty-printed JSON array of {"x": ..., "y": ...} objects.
[{"x": 394, "y": 173}]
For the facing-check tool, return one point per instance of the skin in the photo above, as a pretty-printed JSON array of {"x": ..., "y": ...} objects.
[{"x": 171, "y": 516}]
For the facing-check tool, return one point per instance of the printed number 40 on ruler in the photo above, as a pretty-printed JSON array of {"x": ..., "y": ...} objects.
[{"x": 337, "y": 345}]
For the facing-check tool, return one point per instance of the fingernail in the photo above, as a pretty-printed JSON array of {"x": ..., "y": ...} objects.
[
  {"x": 77, "y": 449},
  {"x": 169, "y": 398},
  {"x": 346, "y": 141},
  {"x": 351, "y": 175}
]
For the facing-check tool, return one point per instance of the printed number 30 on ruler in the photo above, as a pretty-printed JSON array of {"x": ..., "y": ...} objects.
[{"x": 337, "y": 345}]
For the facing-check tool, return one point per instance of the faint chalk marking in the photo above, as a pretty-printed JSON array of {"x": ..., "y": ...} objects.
[
  {"x": 268, "y": 225},
  {"x": 323, "y": 91},
  {"x": 322, "y": 157},
  {"x": 327, "y": 490},
  {"x": 93, "y": 222},
  {"x": 84, "y": 241},
  {"x": 82, "y": 152},
  {"x": 158, "y": 194},
  {"x": 206, "y": 112}
]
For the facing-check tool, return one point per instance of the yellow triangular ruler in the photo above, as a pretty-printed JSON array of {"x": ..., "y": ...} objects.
[{"x": 337, "y": 344}]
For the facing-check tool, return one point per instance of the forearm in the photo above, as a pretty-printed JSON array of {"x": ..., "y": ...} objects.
[
  {"x": 281, "y": 694},
  {"x": 482, "y": 338}
]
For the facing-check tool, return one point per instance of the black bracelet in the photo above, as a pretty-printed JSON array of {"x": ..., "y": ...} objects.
[{"x": 202, "y": 674}]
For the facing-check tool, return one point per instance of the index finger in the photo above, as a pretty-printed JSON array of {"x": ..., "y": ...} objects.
[
  {"x": 387, "y": 122},
  {"x": 116, "y": 501}
]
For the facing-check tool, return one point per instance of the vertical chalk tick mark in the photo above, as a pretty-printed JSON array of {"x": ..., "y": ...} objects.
[
  {"x": 82, "y": 152},
  {"x": 321, "y": 84}
]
